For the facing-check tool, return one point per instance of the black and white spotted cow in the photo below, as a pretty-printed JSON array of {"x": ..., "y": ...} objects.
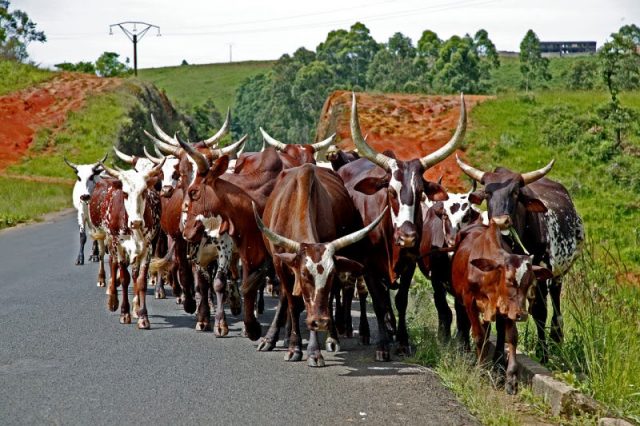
[
  {"x": 545, "y": 219},
  {"x": 87, "y": 176}
]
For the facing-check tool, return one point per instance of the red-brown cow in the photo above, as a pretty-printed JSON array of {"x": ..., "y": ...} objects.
[
  {"x": 309, "y": 219},
  {"x": 294, "y": 155},
  {"x": 493, "y": 285},
  {"x": 545, "y": 220},
  {"x": 400, "y": 185}
]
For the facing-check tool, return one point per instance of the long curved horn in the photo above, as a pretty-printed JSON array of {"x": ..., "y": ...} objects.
[
  {"x": 197, "y": 156},
  {"x": 273, "y": 142},
  {"x": 470, "y": 171},
  {"x": 161, "y": 133},
  {"x": 124, "y": 157},
  {"x": 366, "y": 151},
  {"x": 323, "y": 144},
  {"x": 444, "y": 151},
  {"x": 164, "y": 147},
  {"x": 287, "y": 244},
  {"x": 70, "y": 164},
  {"x": 230, "y": 150},
  {"x": 154, "y": 160},
  {"x": 358, "y": 235},
  {"x": 111, "y": 172},
  {"x": 223, "y": 131},
  {"x": 533, "y": 176},
  {"x": 155, "y": 170},
  {"x": 96, "y": 167}
]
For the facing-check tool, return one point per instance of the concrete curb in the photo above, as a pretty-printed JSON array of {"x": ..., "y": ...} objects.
[{"x": 564, "y": 400}]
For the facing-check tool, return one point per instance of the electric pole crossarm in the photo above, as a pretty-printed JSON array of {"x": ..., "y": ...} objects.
[{"x": 134, "y": 36}]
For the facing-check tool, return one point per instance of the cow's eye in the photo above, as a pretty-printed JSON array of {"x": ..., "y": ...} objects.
[{"x": 194, "y": 194}]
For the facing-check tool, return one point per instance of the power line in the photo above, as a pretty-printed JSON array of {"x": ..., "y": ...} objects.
[{"x": 134, "y": 35}]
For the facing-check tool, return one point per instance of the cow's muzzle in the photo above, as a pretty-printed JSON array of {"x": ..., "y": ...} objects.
[
  {"x": 136, "y": 224},
  {"x": 166, "y": 191},
  {"x": 503, "y": 222},
  {"x": 320, "y": 323},
  {"x": 85, "y": 198}
]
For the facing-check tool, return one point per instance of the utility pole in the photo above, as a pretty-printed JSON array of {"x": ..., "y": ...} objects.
[
  {"x": 134, "y": 35},
  {"x": 230, "y": 52}
]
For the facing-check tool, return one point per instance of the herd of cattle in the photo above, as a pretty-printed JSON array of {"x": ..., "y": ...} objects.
[{"x": 215, "y": 217}]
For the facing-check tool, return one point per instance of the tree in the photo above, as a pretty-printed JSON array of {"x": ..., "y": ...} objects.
[
  {"x": 206, "y": 119},
  {"x": 485, "y": 48},
  {"x": 86, "y": 67},
  {"x": 392, "y": 68},
  {"x": 534, "y": 68},
  {"x": 16, "y": 32},
  {"x": 458, "y": 67},
  {"x": 108, "y": 65},
  {"x": 581, "y": 75}
]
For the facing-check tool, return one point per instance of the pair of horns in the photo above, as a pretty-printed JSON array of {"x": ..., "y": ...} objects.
[
  {"x": 426, "y": 161},
  {"x": 529, "y": 177},
  {"x": 280, "y": 146},
  {"x": 95, "y": 167},
  {"x": 117, "y": 173},
  {"x": 211, "y": 142},
  {"x": 335, "y": 245}
]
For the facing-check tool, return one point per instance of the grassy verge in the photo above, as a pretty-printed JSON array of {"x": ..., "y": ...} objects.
[
  {"x": 191, "y": 85},
  {"x": 23, "y": 201},
  {"x": 16, "y": 76}
]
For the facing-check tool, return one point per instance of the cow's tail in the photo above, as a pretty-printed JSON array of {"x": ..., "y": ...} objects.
[
  {"x": 98, "y": 234},
  {"x": 163, "y": 264}
]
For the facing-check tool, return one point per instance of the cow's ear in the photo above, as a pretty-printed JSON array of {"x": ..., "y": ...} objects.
[
  {"x": 344, "y": 264},
  {"x": 541, "y": 273},
  {"x": 289, "y": 259},
  {"x": 435, "y": 191},
  {"x": 218, "y": 167},
  {"x": 532, "y": 204},
  {"x": 485, "y": 265},
  {"x": 371, "y": 185},
  {"x": 227, "y": 226},
  {"x": 477, "y": 197}
]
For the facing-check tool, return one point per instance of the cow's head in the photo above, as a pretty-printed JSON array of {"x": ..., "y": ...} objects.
[
  {"x": 301, "y": 153},
  {"x": 134, "y": 187},
  {"x": 86, "y": 175},
  {"x": 508, "y": 281},
  {"x": 404, "y": 181},
  {"x": 170, "y": 172},
  {"x": 503, "y": 191},
  {"x": 314, "y": 266}
]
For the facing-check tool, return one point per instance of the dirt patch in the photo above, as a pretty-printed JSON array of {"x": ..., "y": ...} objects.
[
  {"x": 410, "y": 125},
  {"x": 25, "y": 112}
]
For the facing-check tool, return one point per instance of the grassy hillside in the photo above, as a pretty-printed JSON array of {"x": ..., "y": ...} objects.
[
  {"x": 190, "y": 85},
  {"x": 16, "y": 76}
]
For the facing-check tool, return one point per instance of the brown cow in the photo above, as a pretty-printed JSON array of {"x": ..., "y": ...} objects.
[
  {"x": 309, "y": 219},
  {"x": 545, "y": 220},
  {"x": 493, "y": 285},
  {"x": 378, "y": 181},
  {"x": 294, "y": 155}
]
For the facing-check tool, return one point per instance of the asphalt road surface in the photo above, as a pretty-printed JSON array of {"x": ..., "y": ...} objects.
[{"x": 65, "y": 359}]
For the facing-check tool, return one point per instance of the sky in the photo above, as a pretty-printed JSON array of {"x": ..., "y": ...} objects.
[{"x": 210, "y": 31}]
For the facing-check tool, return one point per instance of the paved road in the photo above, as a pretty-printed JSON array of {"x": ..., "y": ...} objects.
[{"x": 64, "y": 359}]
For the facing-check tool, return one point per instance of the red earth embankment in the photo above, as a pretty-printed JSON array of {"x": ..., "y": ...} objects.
[
  {"x": 410, "y": 125},
  {"x": 25, "y": 112}
]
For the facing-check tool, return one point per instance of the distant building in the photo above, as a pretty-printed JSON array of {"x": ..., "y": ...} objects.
[{"x": 567, "y": 47}]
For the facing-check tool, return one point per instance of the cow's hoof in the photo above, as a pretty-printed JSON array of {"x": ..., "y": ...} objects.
[
  {"x": 365, "y": 340},
  {"x": 189, "y": 305},
  {"x": 100, "y": 284},
  {"x": 203, "y": 326},
  {"x": 94, "y": 258},
  {"x": 80, "y": 261},
  {"x": 511, "y": 388},
  {"x": 112, "y": 302},
  {"x": 221, "y": 329},
  {"x": 332, "y": 345},
  {"x": 404, "y": 350},
  {"x": 160, "y": 293},
  {"x": 143, "y": 323},
  {"x": 265, "y": 345},
  {"x": 383, "y": 356},
  {"x": 253, "y": 330},
  {"x": 293, "y": 355},
  {"x": 315, "y": 360},
  {"x": 125, "y": 319}
]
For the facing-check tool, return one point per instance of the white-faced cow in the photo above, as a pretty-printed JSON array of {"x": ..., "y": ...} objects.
[{"x": 545, "y": 220}]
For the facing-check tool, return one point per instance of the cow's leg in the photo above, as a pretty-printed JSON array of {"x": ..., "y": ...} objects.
[
  {"x": 539, "y": 314},
  {"x": 260, "y": 304},
  {"x": 135, "y": 272},
  {"x": 332, "y": 344},
  {"x": 268, "y": 342},
  {"x": 463, "y": 325},
  {"x": 125, "y": 278},
  {"x": 203, "y": 315},
  {"x": 235, "y": 301},
  {"x": 186, "y": 276},
  {"x": 141, "y": 289},
  {"x": 112, "y": 292},
  {"x": 160, "y": 249},
  {"x": 252, "y": 327},
  {"x": 363, "y": 327},
  {"x": 478, "y": 329},
  {"x": 294, "y": 353},
  {"x": 348, "y": 290},
  {"x": 336, "y": 293},
  {"x": 83, "y": 240},
  {"x": 498, "y": 355},
  {"x": 511, "y": 384},
  {"x": 314, "y": 355},
  {"x": 101, "y": 272},
  {"x": 402, "y": 298},
  {"x": 445, "y": 317},
  {"x": 379, "y": 297},
  {"x": 556, "y": 333},
  {"x": 95, "y": 252},
  {"x": 221, "y": 328}
]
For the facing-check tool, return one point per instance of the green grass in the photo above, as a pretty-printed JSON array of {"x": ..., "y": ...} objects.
[
  {"x": 191, "y": 85},
  {"x": 16, "y": 76},
  {"x": 23, "y": 201}
]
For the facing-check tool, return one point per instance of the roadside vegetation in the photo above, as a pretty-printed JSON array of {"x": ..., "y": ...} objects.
[
  {"x": 40, "y": 198},
  {"x": 17, "y": 76}
]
